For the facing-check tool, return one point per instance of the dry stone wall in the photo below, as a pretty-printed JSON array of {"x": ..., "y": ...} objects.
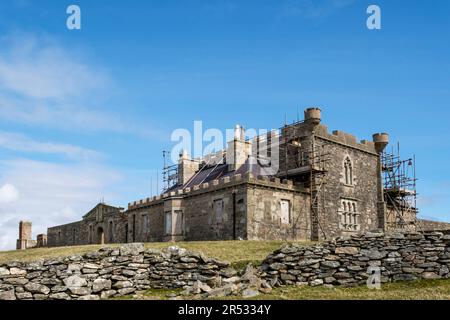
[
  {"x": 109, "y": 272},
  {"x": 112, "y": 272},
  {"x": 350, "y": 262}
]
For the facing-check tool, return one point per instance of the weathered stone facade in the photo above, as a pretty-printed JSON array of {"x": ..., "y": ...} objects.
[
  {"x": 25, "y": 234},
  {"x": 103, "y": 224},
  {"x": 327, "y": 185}
]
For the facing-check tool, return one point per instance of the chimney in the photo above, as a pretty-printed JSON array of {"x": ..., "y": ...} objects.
[
  {"x": 186, "y": 168},
  {"x": 238, "y": 149}
]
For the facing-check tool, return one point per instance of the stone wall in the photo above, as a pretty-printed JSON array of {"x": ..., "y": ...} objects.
[
  {"x": 346, "y": 262},
  {"x": 428, "y": 225},
  {"x": 362, "y": 191},
  {"x": 109, "y": 226},
  {"x": 109, "y": 272},
  {"x": 264, "y": 214}
]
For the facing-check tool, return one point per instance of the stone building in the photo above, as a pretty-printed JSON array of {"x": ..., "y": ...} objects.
[
  {"x": 25, "y": 234},
  {"x": 326, "y": 185}
]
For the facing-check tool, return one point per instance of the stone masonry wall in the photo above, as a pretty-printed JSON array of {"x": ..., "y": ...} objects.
[
  {"x": 362, "y": 190},
  {"x": 346, "y": 262},
  {"x": 427, "y": 225},
  {"x": 109, "y": 272},
  {"x": 264, "y": 214}
]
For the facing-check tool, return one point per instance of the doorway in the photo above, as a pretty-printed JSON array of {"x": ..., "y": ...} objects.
[{"x": 100, "y": 236}]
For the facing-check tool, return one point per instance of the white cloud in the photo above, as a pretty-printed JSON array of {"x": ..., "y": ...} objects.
[
  {"x": 19, "y": 142},
  {"x": 42, "y": 83},
  {"x": 42, "y": 69},
  {"x": 8, "y": 194},
  {"x": 51, "y": 194}
]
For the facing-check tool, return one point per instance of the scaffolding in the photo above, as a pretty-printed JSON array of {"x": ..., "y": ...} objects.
[
  {"x": 400, "y": 191},
  {"x": 318, "y": 179},
  {"x": 170, "y": 173},
  {"x": 311, "y": 170}
]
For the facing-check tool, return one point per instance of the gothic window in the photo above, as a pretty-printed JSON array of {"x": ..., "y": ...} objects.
[
  {"x": 348, "y": 171},
  {"x": 349, "y": 216}
]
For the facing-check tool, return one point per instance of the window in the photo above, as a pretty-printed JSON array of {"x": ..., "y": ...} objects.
[
  {"x": 285, "y": 211},
  {"x": 111, "y": 232},
  {"x": 349, "y": 216},
  {"x": 348, "y": 171},
  {"x": 168, "y": 222},
  {"x": 133, "y": 236},
  {"x": 178, "y": 222},
  {"x": 145, "y": 224},
  {"x": 218, "y": 209},
  {"x": 91, "y": 234}
]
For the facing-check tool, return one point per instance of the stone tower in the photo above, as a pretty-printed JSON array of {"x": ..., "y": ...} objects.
[{"x": 25, "y": 241}]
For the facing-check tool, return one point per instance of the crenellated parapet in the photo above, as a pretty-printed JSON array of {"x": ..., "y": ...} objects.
[
  {"x": 345, "y": 139},
  {"x": 215, "y": 185}
]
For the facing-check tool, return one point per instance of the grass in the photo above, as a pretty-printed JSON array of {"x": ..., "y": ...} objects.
[
  {"x": 414, "y": 290},
  {"x": 238, "y": 253}
]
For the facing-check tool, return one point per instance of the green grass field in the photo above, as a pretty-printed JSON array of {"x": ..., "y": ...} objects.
[{"x": 414, "y": 290}]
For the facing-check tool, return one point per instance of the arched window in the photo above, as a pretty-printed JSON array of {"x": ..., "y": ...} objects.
[{"x": 348, "y": 171}]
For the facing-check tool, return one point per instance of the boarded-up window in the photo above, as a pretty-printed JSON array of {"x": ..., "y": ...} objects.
[
  {"x": 178, "y": 222},
  {"x": 285, "y": 211},
  {"x": 218, "y": 210},
  {"x": 168, "y": 223},
  {"x": 145, "y": 226}
]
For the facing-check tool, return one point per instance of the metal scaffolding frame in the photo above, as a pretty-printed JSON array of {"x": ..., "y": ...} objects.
[
  {"x": 170, "y": 173},
  {"x": 400, "y": 190},
  {"x": 311, "y": 170}
]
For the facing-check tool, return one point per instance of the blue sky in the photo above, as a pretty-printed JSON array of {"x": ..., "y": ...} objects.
[{"x": 85, "y": 114}]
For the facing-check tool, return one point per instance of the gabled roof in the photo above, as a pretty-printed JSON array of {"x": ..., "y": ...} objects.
[{"x": 109, "y": 208}]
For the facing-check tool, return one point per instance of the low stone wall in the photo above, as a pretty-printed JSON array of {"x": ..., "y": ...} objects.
[
  {"x": 349, "y": 262},
  {"x": 428, "y": 225},
  {"x": 109, "y": 272}
]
